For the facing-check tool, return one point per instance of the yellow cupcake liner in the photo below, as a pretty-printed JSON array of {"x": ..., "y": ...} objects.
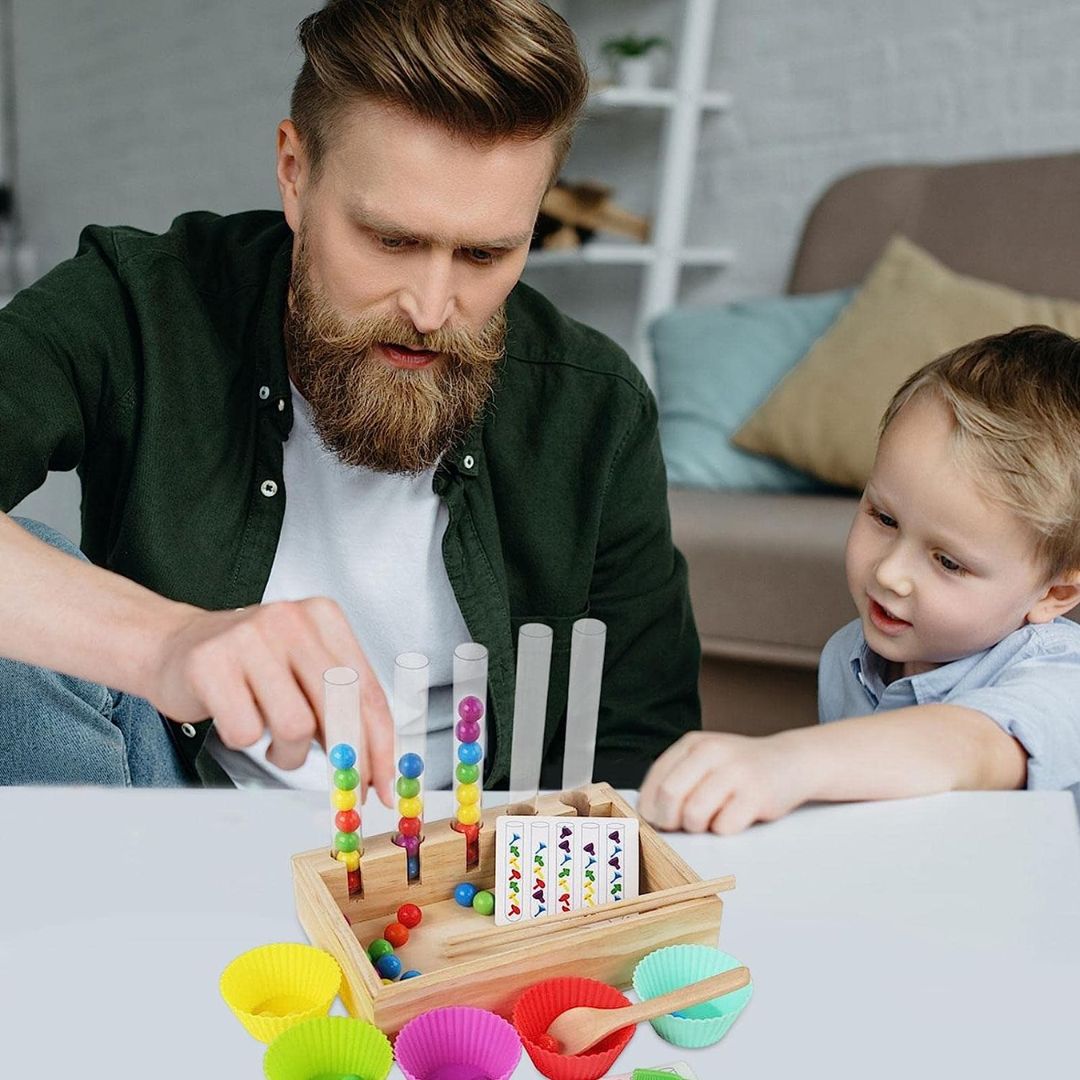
[{"x": 273, "y": 987}]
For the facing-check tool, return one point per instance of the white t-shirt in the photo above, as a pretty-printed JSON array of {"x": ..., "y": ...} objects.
[{"x": 373, "y": 543}]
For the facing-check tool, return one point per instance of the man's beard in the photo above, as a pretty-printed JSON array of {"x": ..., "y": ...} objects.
[{"x": 369, "y": 413}]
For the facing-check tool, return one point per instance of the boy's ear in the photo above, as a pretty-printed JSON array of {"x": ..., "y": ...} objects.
[{"x": 1060, "y": 596}]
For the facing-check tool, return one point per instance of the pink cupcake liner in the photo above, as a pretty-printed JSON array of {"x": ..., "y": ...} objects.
[{"x": 434, "y": 1043}]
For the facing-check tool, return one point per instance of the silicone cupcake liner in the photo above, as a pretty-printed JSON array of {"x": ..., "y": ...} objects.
[
  {"x": 329, "y": 1046},
  {"x": 541, "y": 1003},
  {"x": 433, "y": 1043},
  {"x": 677, "y": 965},
  {"x": 272, "y": 987}
]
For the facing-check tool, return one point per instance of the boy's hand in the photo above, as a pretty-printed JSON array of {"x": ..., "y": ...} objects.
[{"x": 716, "y": 781}]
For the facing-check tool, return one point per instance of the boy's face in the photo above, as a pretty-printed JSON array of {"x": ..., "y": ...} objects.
[{"x": 937, "y": 571}]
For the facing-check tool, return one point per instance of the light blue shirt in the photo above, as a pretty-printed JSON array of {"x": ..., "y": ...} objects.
[{"x": 1028, "y": 684}]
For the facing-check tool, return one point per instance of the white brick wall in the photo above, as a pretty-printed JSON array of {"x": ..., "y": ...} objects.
[{"x": 135, "y": 110}]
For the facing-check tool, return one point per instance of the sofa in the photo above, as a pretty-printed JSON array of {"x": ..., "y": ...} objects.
[{"x": 766, "y": 568}]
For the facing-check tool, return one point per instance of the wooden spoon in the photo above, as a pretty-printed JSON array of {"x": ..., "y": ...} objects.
[{"x": 576, "y": 1030}]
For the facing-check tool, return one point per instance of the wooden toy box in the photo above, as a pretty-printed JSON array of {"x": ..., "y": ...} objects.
[{"x": 493, "y": 967}]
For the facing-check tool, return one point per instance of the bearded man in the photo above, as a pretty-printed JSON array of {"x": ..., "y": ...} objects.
[{"x": 458, "y": 457}]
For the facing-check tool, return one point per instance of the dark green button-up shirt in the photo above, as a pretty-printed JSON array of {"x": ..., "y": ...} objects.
[{"x": 155, "y": 366}]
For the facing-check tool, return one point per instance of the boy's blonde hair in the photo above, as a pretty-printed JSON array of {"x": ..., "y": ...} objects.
[
  {"x": 1015, "y": 399},
  {"x": 484, "y": 69}
]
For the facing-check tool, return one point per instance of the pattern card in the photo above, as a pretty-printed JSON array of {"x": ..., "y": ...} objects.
[{"x": 558, "y": 864}]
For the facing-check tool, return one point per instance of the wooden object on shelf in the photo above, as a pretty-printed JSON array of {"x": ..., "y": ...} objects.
[{"x": 492, "y": 976}]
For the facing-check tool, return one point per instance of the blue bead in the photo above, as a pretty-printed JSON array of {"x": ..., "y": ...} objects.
[
  {"x": 413, "y": 868},
  {"x": 342, "y": 756},
  {"x": 389, "y": 966},
  {"x": 470, "y": 753},
  {"x": 410, "y": 974},
  {"x": 411, "y": 766},
  {"x": 464, "y": 894}
]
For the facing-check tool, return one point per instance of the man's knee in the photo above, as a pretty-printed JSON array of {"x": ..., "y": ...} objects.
[{"x": 50, "y": 536}]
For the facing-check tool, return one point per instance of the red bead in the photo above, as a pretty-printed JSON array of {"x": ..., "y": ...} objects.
[
  {"x": 396, "y": 934},
  {"x": 547, "y": 1042},
  {"x": 347, "y": 820},
  {"x": 409, "y": 826},
  {"x": 354, "y": 882},
  {"x": 409, "y": 915}
]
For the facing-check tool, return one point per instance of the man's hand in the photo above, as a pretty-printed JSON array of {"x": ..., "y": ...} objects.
[
  {"x": 261, "y": 668},
  {"x": 721, "y": 782}
]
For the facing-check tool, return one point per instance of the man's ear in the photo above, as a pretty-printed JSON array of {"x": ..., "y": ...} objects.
[
  {"x": 291, "y": 169},
  {"x": 1061, "y": 596}
]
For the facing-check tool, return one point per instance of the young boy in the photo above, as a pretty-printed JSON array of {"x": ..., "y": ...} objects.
[{"x": 959, "y": 672}]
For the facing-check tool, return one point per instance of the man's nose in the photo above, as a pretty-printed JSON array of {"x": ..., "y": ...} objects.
[
  {"x": 427, "y": 299},
  {"x": 892, "y": 572}
]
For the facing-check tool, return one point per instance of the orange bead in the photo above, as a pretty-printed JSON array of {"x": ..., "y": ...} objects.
[{"x": 396, "y": 934}]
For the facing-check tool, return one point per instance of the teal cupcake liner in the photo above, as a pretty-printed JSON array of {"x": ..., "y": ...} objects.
[{"x": 679, "y": 965}]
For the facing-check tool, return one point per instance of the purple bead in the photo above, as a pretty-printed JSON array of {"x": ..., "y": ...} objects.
[
  {"x": 467, "y": 731},
  {"x": 411, "y": 844},
  {"x": 470, "y": 708}
]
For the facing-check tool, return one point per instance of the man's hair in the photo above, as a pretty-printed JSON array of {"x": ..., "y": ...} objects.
[
  {"x": 1015, "y": 399},
  {"x": 483, "y": 69}
]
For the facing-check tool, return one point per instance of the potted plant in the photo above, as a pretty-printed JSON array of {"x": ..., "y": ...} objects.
[{"x": 632, "y": 56}]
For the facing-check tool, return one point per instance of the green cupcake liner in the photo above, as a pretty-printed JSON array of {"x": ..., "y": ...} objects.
[{"x": 329, "y": 1048}]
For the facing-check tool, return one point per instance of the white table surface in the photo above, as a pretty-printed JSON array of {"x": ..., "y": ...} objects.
[{"x": 928, "y": 937}]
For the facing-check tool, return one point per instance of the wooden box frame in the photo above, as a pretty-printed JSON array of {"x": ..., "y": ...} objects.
[{"x": 498, "y": 968}]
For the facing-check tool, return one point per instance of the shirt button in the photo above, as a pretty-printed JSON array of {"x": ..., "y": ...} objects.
[
  {"x": 188, "y": 730},
  {"x": 268, "y": 488},
  {"x": 468, "y": 461},
  {"x": 264, "y": 392},
  {"x": 281, "y": 404}
]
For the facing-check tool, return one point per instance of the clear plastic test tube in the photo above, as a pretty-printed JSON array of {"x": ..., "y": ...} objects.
[
  {"x": 583, "y": 701},
  {"x": 530, "y": 711},
  {"x": 410, "y": 708},
  {"x": 470, "y": 742},
  {"x": 344, "y": 749}
]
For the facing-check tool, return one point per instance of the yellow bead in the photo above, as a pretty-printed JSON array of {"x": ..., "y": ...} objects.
[
  {"x": 468, "y": 794},
  {"x": 468, "y": 815},
  {"x": 351, "y": 859},
  {"x": 343, "y": 800},
  {"x": 388, "y": 982},
  {"x": 410, "y": 807}
]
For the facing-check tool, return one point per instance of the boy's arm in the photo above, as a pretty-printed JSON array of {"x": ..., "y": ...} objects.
[{"x": 724, "y": 782}]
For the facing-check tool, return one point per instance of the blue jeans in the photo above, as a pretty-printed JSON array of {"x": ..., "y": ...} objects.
[{"x": 55, "y": 729}]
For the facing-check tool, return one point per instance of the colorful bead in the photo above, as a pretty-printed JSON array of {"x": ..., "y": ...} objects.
[
  {"x": 467, "y": 730},
  {"x": 378, "y": 948},
  {"x": 470, "y": 753},
  {"x": 467, "y": 794},
  {"x": 343, "y": 800},
  {"x": 410, "y": 974},
  {"x": 396, "y": 933},
  {"x": 468, "y": 815},
  {"x": 484, "y": 902},
  {"x": 351, "y": 859},
  {"x": 388, "y": 966},
  {"x": 464, "y": 893},
  {"x": 408, "y": 788},
  {"x": 412, "y": 867},
  {"x": 346, "y": 841},
  {"x": 411, "y": 844},
  {"x": 467, "y": 774},
  {"x": 353, "y": 879},
  {"x": 347, "y": 820},
  {"x": 411, "y": 766},
  {"x": 342, "y": 756},
  {"x": 470, "y": 708},
  {"x": 409, "y": 915},
  {"x": 346, "y": 779},
  {"x": 410, "y": 807},
  {"x": 409, "y": 826},
  {"x": 387, "y": 981},
  {"x": 546, "y": 1042}
]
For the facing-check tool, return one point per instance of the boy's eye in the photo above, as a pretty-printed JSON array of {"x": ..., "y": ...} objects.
[
  {"x": 882, "y": 519},
  {"x": 951, "y": 565}
]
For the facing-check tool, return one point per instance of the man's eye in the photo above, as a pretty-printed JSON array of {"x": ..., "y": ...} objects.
[
  {"x": 393, "y": 243},
  {"x": 481, "y": 256}
]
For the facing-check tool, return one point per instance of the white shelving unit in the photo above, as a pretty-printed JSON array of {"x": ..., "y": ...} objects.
[{"x": 664, "y": 257}]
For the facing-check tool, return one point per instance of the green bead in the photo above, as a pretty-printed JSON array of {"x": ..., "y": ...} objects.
[
  {"x": 407, "y": 788},
  {"x": 467, "y": 774},
  {"x": 346, "y": 779},
  {"x": 379, "y": 948},
  {"x": 484, "y": 902},
  {"x": 346, "y": 841}
]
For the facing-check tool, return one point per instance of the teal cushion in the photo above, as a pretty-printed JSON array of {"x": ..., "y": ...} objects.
[{"x": 714, "y": 367}]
